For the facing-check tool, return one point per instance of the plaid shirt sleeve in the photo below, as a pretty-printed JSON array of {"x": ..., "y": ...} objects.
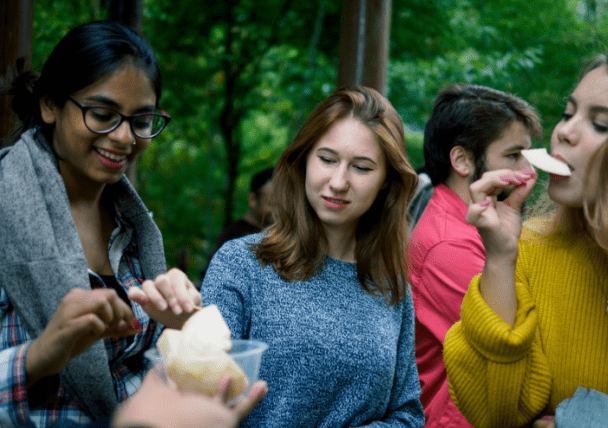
[
  {"x": 126, "y": 362},
  {"x": 14, "y": 342}
]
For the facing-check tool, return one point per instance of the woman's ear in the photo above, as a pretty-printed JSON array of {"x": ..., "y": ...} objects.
[
  {"x": 461, "y": 161},
  {"x": 48, "y": 110}
]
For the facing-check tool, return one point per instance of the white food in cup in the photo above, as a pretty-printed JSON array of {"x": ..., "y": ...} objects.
[
  {"x": 195, "y": 357},
  {"x": 541, "y": 159}
]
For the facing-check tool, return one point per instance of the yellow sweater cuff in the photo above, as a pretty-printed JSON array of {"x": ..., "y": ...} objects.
[{"x": 489, "y": 334}]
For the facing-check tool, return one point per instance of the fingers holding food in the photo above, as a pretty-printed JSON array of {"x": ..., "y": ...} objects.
[
  {"x": 170, "y": 298},
  {"x": 82, "y": 318}
]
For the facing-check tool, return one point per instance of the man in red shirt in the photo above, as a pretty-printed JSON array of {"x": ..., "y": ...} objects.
[{"x": 472, "y": 129}]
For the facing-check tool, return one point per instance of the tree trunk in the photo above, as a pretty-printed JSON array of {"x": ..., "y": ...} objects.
[
  {"x": 228, "y": 119},
  {"x": 364, "y": 43},
  {"x": 591, "y": 10},
  {"x": 16, "y": 18},
  {"x": 128, "y": 12}
]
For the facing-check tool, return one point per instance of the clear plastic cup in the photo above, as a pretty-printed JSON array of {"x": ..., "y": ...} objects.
[{"x": 247, "y": 354}]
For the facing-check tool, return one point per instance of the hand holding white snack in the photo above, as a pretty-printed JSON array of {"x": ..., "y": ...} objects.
[
  {"x": 541, "y": 159},
  {"x": 195, "y": 357}
]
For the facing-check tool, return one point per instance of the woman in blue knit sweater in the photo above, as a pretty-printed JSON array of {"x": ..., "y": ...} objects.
[{"x": 325, "y": 286}]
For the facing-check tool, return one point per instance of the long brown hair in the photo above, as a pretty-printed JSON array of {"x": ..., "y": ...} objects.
[{"x": 293, "y": 243}]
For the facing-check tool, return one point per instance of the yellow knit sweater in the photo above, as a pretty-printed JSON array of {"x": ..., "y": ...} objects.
[{"x": 504, "y": 377}]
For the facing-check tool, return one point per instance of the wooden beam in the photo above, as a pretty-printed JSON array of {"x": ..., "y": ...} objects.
[
  {"x": 16, "y": 17},
  {"x": 364, "y": 43},
  {"x": 128, "y": 12}
]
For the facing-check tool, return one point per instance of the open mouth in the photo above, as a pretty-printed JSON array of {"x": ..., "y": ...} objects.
[{"x": 110, "y": 159}]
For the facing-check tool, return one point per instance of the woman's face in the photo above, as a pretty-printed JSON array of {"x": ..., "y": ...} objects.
[
  {"x": 583, "y": 129},
  {"x": 345, "y": 170},
  {"x": 93, "y": 160}
]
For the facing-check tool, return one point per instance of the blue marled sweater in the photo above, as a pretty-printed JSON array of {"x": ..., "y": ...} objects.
[{"x": 337, "y": 356}]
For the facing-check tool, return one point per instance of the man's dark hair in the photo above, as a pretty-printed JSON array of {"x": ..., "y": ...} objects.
[{"x": 473, "y": 117}]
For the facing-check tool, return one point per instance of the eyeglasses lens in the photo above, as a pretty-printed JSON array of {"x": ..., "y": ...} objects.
[
  {"x": 148, "y": 125},
  {"x": 103, "y": 120}
]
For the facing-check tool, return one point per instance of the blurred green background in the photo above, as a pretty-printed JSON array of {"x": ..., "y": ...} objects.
[{"x": 240, "y": 76}]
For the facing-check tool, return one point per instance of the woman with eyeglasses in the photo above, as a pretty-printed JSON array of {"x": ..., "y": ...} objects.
[{"x": 83, "y": 284}]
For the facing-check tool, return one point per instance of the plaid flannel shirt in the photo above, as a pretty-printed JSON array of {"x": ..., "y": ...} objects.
[{"x": 20, "y": 406}]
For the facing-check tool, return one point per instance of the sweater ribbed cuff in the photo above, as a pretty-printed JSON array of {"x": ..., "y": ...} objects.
[{"x": 489, "y": 334}]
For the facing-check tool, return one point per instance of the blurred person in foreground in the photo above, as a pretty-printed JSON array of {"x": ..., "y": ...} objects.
[
  {"x": 158, "y": 404},
  {"x": 472, "y": 129}
]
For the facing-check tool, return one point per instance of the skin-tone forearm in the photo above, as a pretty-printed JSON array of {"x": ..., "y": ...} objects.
[
  {"x": 32, "y": 372},
  {"x": 497, "y": 287}
]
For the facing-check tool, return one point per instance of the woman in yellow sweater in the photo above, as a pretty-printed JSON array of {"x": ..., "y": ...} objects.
[{"x": 534, "y": 324}]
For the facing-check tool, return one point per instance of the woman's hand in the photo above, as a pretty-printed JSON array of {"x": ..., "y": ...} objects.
[
  {"x": 170, "y": 299},
  {"x": 161, "y": 405},
  {"x": 82, "y": 318},
  {"x": 499, "y": 223}
]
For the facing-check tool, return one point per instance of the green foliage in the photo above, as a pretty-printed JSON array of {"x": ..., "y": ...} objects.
[{"x": 52, "y": 20}]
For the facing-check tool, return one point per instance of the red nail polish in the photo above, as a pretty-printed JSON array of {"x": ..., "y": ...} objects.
[{"x": 136, "y": 324}]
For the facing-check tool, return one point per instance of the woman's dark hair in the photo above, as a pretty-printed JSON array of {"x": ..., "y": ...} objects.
[{"x": 86, "y": 54}]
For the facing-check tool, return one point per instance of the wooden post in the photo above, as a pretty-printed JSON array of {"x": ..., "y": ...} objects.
[
  {"x": 364, "y": 43},
  {"x": 128, "y": 12},
  {"x": 16, "y": 17}
]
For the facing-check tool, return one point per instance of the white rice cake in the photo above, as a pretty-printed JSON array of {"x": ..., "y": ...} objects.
[{"x": 541, "y": 159}]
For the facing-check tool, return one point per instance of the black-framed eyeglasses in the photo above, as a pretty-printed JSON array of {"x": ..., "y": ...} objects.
[{"x": 103, "y": 120}]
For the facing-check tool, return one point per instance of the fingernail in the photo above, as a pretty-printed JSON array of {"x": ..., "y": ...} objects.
[
  {"x": 529, "y": 172},
  {"x": 485, "y": 203},
  {"x": 136, "y": 324},
  {"x": 506, "y": 179},
  {"x": 521, "y": 178}
]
